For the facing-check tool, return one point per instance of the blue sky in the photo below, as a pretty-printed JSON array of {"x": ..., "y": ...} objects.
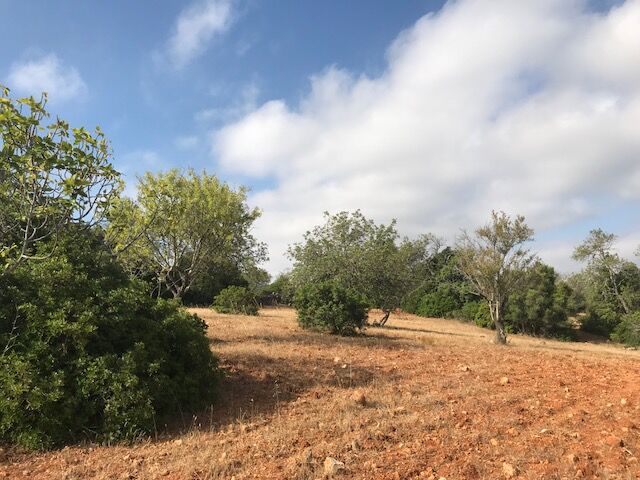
[{"x": 428, "y": 112}]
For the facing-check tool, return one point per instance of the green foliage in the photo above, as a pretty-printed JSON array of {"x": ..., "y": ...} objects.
[
  {"x": 182, "y": 224},
  {"x": 482, "y": 317},
  {"x": 236, "y": 300},
  {"x": 279, "y": 292},
  {"x": 356, "y": 253},
  {"x": 50, "y": 175},
  {"x": 540, "y": 306},
  {"x": 628, "y": 330},
  {"x": 493, "y": 260},
  {"x": 442, "y": 302},
  {"x": 331, "y": 308},
  {"x": 469, "y": 310},
  {"x": 89, "y": 355}
]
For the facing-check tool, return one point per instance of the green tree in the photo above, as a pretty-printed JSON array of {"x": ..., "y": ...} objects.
[
  {"x": 50, "y": 176},
  {"x": 604, "y": 266},
  {"x": 355, "y": 253},
  {"x": 494, "y": 261},
  {"x": 179, "y": 224}
]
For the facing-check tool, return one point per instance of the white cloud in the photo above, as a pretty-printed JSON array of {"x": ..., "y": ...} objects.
[
  {"x": 531, "y": 107},
  {"x": 195, "y": 28},
  {"x": 46, "y": 74}
]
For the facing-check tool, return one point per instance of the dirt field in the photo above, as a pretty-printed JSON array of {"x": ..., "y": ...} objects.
[{"x": 422, "y": 399}]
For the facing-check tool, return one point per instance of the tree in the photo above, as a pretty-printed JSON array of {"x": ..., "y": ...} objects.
[
  {"x": 603, "y": 265},
  {"x": 355, "y": 253},
  {"x": 494, "y": 260},
  {"x": 179, "y": 224},
  {"x": 50, "y": 176}
]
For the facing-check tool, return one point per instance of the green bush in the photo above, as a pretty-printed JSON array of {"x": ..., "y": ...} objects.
[
  {"x": 469, "y": 310},
  {"x": 330, "y": 308},
  {"x": 90, "y": 355},
  {"x": 483, "y": 316},
  {"x": 236, "y": 300},
  {"x": 442, "y": 302},
  {"x": 628, "y": 330}
]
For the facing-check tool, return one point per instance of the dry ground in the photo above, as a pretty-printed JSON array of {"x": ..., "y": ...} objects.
[{"x": 439, "y": 401}]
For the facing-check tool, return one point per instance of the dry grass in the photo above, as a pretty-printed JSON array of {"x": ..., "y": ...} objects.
[{"x": 435, "y": 407}]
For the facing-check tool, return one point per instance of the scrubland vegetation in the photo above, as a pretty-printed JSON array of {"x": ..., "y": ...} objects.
[{"x": 96, "y": 344}]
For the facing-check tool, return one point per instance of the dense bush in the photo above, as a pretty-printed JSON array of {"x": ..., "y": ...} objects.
[
  {"x": 236, "y": 300},
  {"x": 88, "y": 354},
  {"x": 628, "y": 330},
  {"x": 442, "y": 302},
  {"x": 482, "y": 317},
  {"x": 328, "y": 307}
]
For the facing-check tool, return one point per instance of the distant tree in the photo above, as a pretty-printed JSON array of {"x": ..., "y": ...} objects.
[
  {"x": 355, "y": 253},
  {"x": 50, "y": 176},
  {"x": 604, "y": 266},
  {"x": 493, "y": 260},
  {"x": 179, "y": 224}
]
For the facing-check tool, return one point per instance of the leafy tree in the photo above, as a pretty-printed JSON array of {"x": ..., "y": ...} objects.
[
  {"x": 604, "y": 266},
  {"x": 540, "y": 306},
  {"x": 279, "y": 292},
  {"x": 357, "y": 254},
  {"x": 236, "y": 300},
  {"x": 50, "y": 176},
  {"x": 494, "y": 261},
  {"x": 179, "y": 224},
  {"x": 328, "y": 307}
]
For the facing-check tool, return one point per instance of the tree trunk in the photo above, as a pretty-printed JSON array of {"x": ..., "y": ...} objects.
[
  {"x": 496, "y": 313},
  {"x": 384, "y": 319}
]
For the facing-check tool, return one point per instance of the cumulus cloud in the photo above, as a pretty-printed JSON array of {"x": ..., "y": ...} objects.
[
  {"x": 46, "y": 74},
  {"x": 195, "y": 28},
  {"x": 532, "y": 107}
]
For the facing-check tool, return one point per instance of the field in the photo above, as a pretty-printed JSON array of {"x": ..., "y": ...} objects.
[{"x": 420, "y": 399}]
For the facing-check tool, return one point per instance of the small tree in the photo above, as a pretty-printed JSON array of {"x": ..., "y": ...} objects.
[
  {"x": 180, "y": 224},
  {"x": 50, "y": 176},
  {"x": 236, "y": 300},
  {"x": 493, "y": 260},
  {"x": 355, "y": 253}
]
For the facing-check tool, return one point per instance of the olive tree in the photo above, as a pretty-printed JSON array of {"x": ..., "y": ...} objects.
[
  {"x": 181, "y": 223},
  {"x": 51, "y": 175},
  {"x": 604, "y": 266},
  {"x": 494, "y": 261},
  {"x": 355, "y": 253}
]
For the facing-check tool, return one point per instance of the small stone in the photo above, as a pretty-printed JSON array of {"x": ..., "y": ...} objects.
[
  {"x": 572, "y": 458},
  {"x": 494, "y": 442},
  {"x": 332, "y": 466},
  {"x": 623, "y": 401},
  {"x": 509, "y": 470},
  {"x": 504, "y": 380},
  {"x": 544, "y": 430},
  {"x": 465, "y": 368},
  {"x": 336, "y": 359}
]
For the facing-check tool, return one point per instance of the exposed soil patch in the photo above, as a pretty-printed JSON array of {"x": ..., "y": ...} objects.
[{"x": 425, "y": 399}]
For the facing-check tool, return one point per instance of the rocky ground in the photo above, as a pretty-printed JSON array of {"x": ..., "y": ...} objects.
[{"x": 422, "y": 399}]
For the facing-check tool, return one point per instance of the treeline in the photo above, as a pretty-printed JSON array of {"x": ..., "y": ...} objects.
[{"x": 488, "y": 277}]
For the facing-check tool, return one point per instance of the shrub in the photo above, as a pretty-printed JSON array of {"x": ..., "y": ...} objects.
[
  {"x": 628, "y": 331},
  {"x": 440, "y": 303},
  {"x": 601, "y": 319},
  {"x": 90, "y": 355},
  {"x": 483, "y": 316},
  {"x": 236, "y": 300},
  {"x": 469, "y": 310},
  {"x": 328, "y": 307}
]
